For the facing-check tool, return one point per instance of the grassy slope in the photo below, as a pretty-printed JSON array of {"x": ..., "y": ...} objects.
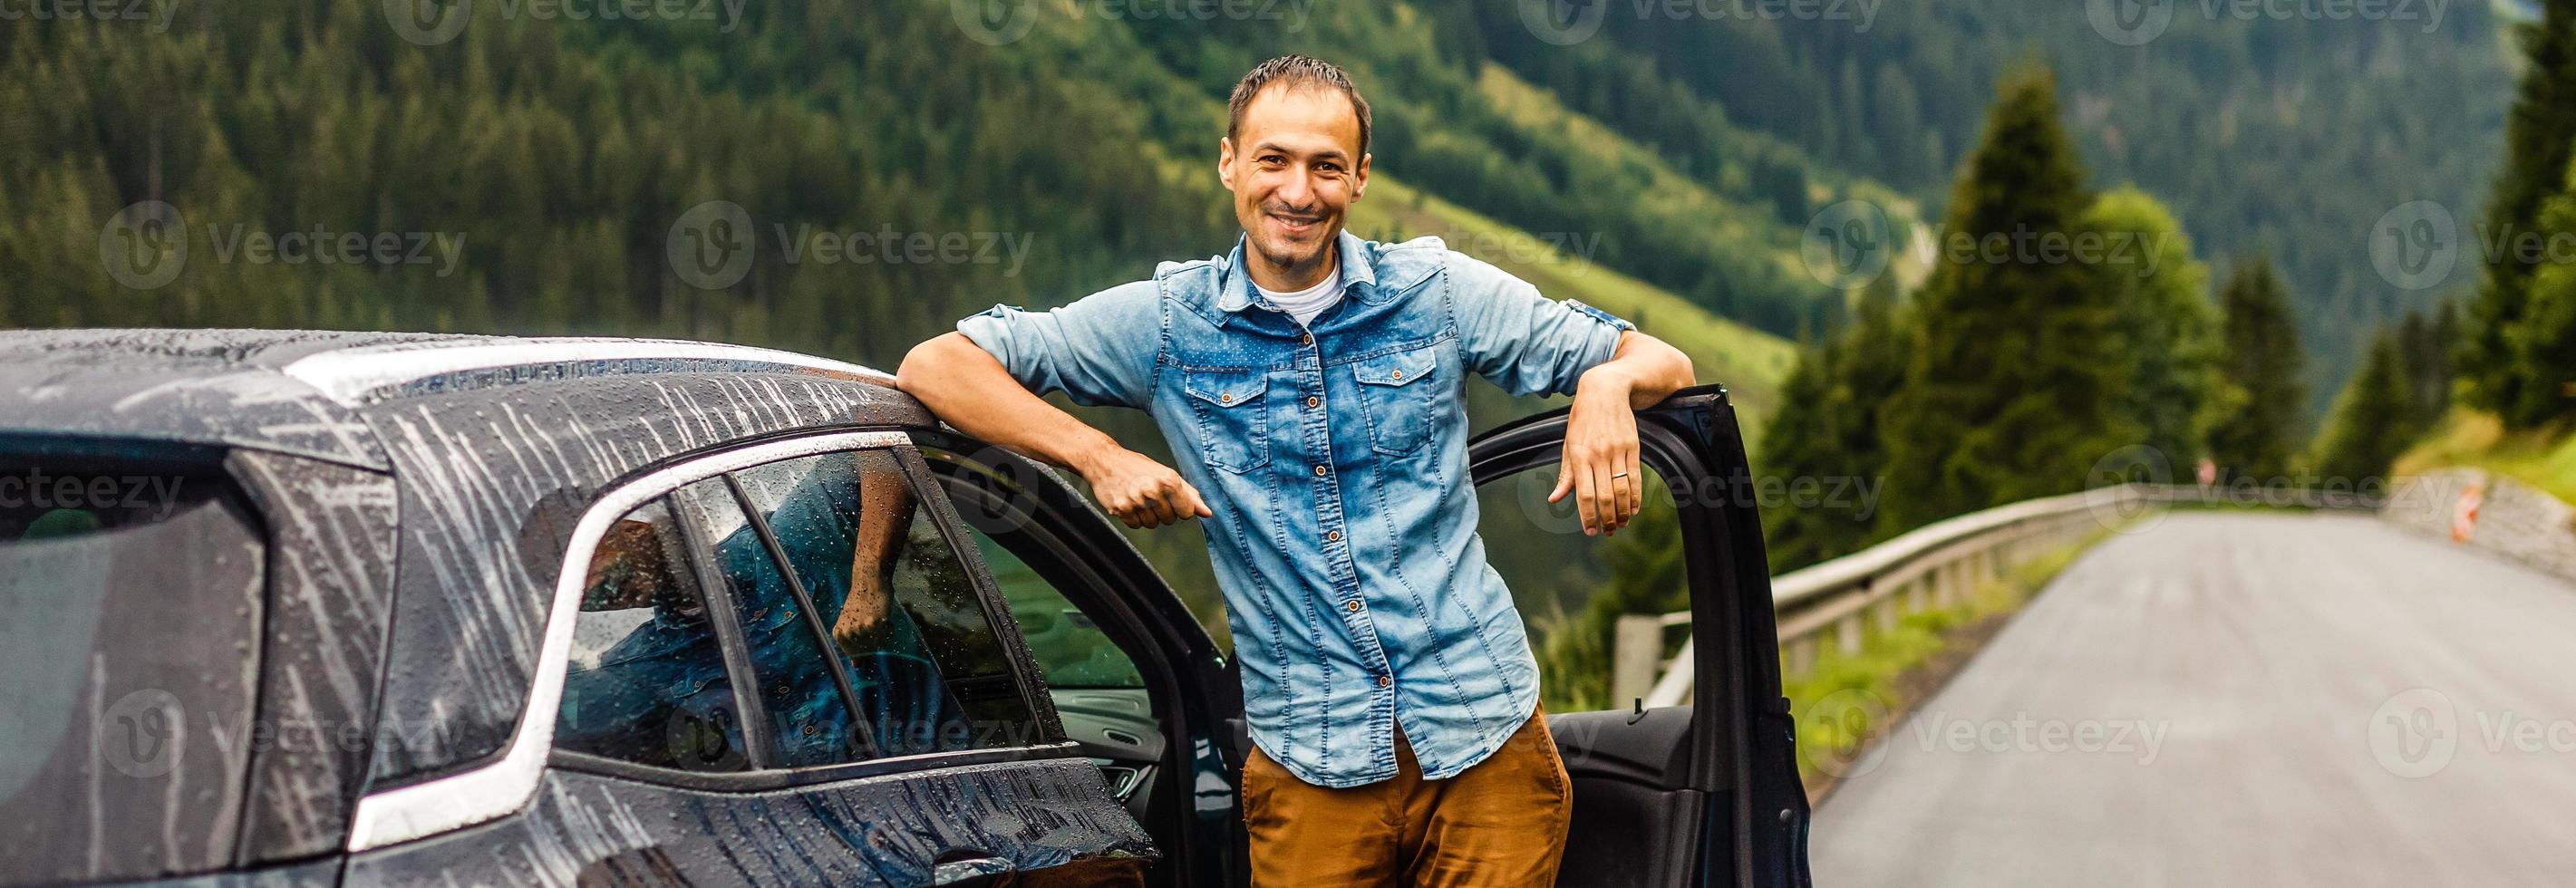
[{"x": 2542, "y": 458}]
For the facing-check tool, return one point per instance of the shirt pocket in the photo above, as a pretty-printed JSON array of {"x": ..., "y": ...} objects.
[
  {"x": 1234, "y": 430},
  {"x": 1401, "y": 405}
]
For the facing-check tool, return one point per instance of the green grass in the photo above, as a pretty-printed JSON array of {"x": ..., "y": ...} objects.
[
  {"x": 1861, "y": 691},
  {"x": 2543, "y": 458}
]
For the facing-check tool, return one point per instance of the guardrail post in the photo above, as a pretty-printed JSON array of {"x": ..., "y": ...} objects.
[
  {"x": 1887, "y": 614},
  {"x": 1636, "y": 655},
  {"x": 1918, "y": 594},
  {"x": 1802, "y": 655},
  {"x": 1847, "y": 634}
]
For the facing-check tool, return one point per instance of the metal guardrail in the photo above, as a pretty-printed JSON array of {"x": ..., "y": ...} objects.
[{"x": 1932, "y": 566}]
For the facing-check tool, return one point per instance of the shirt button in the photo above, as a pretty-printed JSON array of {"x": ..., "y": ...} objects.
[
  {"x": 1225, "y": 399},
  {"x": 1307, "y": 339},
  {"x": 1312, "y": 401},
  {"x": 1353, "y": 606},
  {"x": 1333, "y": 536},
  {"x": 1321, "y": 470},
  {"x": 1386, "y": 681}
]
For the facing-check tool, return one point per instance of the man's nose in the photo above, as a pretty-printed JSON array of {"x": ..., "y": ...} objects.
[{"x": 1297, "y": 192}]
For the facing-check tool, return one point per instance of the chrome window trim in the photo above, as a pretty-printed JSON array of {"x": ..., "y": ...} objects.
[
  {"x": 505, "y": 785},
  {"x": 350, "y": 376}
]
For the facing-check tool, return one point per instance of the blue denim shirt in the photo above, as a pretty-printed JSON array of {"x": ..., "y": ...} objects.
[{"x": 1335, "y": 461}]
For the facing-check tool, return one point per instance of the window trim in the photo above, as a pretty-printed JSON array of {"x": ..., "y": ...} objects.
[{"x": 506, "y": 784}]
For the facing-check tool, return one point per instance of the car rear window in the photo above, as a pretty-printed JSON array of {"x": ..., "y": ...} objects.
[{"x": 130, "y": 605}]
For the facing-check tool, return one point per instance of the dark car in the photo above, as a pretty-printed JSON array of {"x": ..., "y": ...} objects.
[{"x": 353, "y": 608}]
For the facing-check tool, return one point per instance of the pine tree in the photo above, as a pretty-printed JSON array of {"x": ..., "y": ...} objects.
[
  {"x": 2374, "y": 418},
  {"x": 2015, "y": 382},
  {"x": 2425, "y": 341},
  {"x": 2168, "y": 329},
  {"x": 2261, "y": 361},
  {"x": 2540, "y": 136},
  {"x": 2541, "y": 344},
  {"x": 1827, "y": 429}
]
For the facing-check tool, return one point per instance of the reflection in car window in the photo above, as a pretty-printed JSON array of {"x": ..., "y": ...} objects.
[
  {"x": 805, "y": 714},
  {"x": 646, "y": 682},
  {"x": 923, "y": 659},
  {"x": 1070, "y": 648}
]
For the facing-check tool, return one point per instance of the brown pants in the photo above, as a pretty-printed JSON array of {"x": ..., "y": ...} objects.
[{"x": 1501, "y": 822}]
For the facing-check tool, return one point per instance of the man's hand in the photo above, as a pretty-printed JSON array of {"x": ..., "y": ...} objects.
[
  {"x": 1600, "y": 465},
  {"x": 1140, "y": 491}
]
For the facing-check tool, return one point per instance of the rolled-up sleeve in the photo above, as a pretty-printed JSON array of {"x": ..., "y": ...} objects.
[
  {"x": 1526, "y": 343},
  {"x": 1100, "y": 350}
]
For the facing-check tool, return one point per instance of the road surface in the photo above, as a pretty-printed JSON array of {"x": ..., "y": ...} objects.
[{"x": 2239, "y": 698}]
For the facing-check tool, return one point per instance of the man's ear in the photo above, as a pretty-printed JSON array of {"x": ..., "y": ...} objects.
[
  {"x": 1225, "y": 161},
  {"x": 1359, "y": 178}
]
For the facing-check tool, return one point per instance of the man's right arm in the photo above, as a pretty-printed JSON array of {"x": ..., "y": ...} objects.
[{"x": 1075, "y": 348}]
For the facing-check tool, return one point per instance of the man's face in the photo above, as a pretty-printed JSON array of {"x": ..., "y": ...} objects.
[{"x": 1294, "y": 168}]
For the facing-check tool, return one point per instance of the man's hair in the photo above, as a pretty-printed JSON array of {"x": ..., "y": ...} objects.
[{"x": 1295, "y": 72}]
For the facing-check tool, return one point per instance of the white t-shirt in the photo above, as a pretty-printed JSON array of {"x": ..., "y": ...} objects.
[{"x": 1305, "y": 304}]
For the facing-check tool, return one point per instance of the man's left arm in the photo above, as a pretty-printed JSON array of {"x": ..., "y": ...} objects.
[{"x": 1531, "y": 345}]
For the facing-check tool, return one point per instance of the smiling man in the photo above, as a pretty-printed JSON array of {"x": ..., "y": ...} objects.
[{"x": 1310, "y": 386}]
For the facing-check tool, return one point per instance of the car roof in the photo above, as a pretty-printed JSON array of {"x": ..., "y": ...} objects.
[{"x": 299, "y": 391}]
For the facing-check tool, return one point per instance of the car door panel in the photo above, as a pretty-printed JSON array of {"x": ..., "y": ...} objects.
[
  {"x": 893, "y": 829},
  {"x": 1711, "y": 789}
]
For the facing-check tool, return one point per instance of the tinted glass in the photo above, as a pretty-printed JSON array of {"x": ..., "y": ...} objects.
[
  {"x": 647, "y": 681},
  {"x": 130, "y": 604},
  {"x": 1069, "y": 647},
  {"x": 807, "y": 719},
  {"x": 924, "y": 661}
]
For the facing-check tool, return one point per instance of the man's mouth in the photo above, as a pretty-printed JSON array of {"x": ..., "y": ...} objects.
[{"x": 1296, "y": 226}]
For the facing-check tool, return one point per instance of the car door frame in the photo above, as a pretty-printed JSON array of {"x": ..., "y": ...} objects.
[
  {"x": 1692, "y": 439},
  {"x": 505, "y": 788},
  {"x": 1197, "y": 695}
]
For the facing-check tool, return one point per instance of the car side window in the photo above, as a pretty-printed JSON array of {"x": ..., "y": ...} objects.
[
  {"x": 807, "y": 717},
  {"x": 1069, "y": 648},
  {"x": 919, "y": 651},
  {"x": 646, "y": 681}
]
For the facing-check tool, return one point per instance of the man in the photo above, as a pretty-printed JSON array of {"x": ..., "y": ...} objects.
[{"x": 1310, "y": 384}]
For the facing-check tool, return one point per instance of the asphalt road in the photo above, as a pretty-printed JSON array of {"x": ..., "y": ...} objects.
[{"x": 2239, "y": 699}]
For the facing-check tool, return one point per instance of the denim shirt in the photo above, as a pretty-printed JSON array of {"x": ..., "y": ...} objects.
[{"x": 1334, "y": 459}]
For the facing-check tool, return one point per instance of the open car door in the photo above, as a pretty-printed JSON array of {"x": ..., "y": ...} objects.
[{"x": 1705, "y": 793}]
